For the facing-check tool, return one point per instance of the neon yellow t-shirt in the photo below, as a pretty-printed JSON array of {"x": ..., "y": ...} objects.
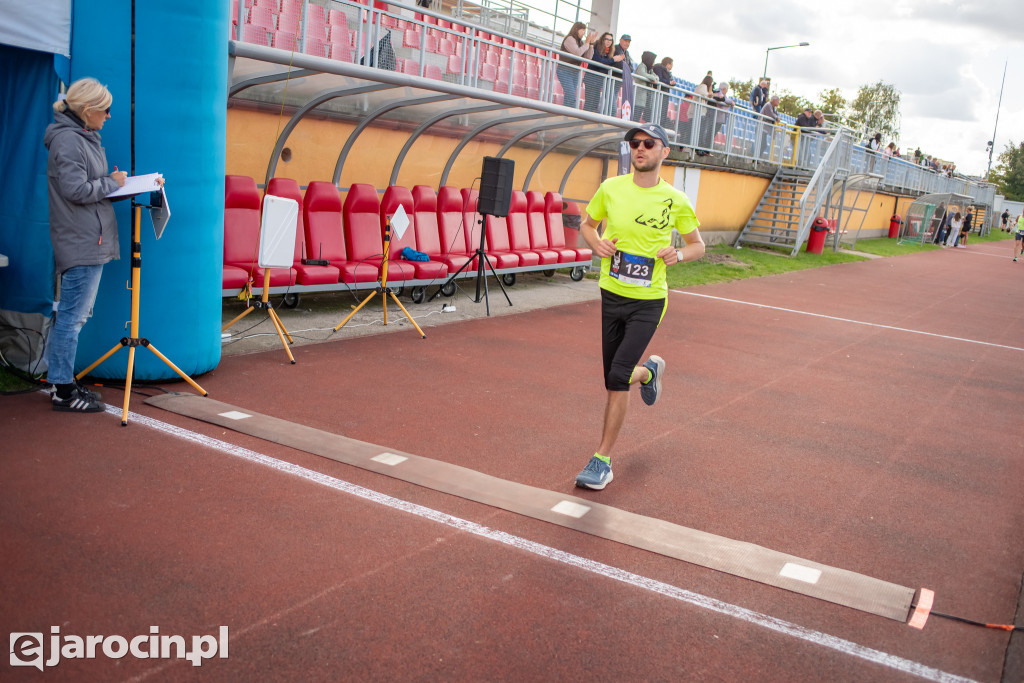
[
  {"x": 642, "y": 219},
  {"x": 1020, "y": 223}
]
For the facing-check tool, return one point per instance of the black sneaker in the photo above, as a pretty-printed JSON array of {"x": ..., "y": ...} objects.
[
  {"x": 80, "y": 401},
  {"x": 95, "y": 395}
]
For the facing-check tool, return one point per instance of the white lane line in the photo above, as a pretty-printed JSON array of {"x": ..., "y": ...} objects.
[
  {"x": 696, "y": 599},
  {"x": 848, "y": 320}
]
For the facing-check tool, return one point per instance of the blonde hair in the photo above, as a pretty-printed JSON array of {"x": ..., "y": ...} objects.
[{"x": 85, "y": 95}]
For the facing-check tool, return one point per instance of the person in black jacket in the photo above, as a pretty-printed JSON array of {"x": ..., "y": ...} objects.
[{"x": 596, "y": 77}]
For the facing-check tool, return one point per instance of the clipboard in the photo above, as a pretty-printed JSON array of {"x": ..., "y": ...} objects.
[{"x": 137, "y": 184}]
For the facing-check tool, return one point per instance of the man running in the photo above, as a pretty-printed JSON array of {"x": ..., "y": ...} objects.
[{"x": 635, "y": 248}]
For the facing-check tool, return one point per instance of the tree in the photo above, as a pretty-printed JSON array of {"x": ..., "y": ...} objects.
[
  {"x": 832, "y": 104},
  {"x": 876, "y": 109},
  {"x": 791, "y": 104},
  {"x": 1008, "y": 175},
  {"x": 741, "y": 89}
]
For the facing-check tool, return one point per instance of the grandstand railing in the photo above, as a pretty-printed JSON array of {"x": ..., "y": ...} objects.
[{"x": 432, "y": 46}]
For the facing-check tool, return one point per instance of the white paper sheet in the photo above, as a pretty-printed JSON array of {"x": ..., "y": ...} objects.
[{"x": 137, "y": 184}]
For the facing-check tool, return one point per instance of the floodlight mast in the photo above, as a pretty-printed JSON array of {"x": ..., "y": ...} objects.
[
  {"x": 780, "y": 47},
  {"x": 992, "y": 142}
]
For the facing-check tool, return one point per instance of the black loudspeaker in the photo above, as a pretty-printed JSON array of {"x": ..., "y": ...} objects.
[{"x": 496, "y": 186}]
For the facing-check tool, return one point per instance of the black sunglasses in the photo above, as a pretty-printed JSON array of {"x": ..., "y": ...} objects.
[
  {"x": 107, "y": 110},
  {"x": 648, "y": 143}
]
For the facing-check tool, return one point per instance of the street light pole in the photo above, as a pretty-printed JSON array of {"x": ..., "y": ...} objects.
[
  {"x": 992, "y": 142},
  {"x": 780, "y": 47}
]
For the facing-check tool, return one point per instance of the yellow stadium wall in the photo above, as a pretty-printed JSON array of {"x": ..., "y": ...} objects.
[{"x": 316, "y": 143}]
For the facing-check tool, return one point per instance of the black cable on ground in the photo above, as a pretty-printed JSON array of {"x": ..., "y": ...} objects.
[{"x": 1001, "y": 627}]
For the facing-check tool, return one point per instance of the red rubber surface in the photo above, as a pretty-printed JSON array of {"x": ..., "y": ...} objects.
[{"x": 884, "y": 452}]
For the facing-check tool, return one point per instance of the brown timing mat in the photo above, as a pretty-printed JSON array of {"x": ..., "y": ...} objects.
[{"x": 672, "y": 540}]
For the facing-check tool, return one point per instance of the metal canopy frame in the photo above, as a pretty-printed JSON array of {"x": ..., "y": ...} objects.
[{"x": 305, "y": 85}]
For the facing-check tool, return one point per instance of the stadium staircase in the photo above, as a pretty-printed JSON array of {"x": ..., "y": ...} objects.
[{"x": 776, "y": 220}]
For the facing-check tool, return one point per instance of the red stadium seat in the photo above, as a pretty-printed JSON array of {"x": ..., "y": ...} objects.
[
  {"x": 321, "y": 212},
  {"x": 241, "y": 230},
  {"x": 257, "y": 35},
  {"x": 537, "y": 221},
  {"x": 428, "y": 230},
  {"x": 531, "y": 250},
  {"x": 341, "y": 51},
  {"x": 452, "y": 229},
  {"x": 304, "y": 274},
  {"x": 317, "y": 48},
  {"x": 288, "y": 23},
  {"x": 553, "y": 208},
  {"x": 262, "y": 17},
  {"x": 283, "y": 40},
  {"x": 394, "y": 197},
  {"x": 454, "y": 65},
  {"x": 361, "y": 213},
  {"x": 499, "y": 248}
]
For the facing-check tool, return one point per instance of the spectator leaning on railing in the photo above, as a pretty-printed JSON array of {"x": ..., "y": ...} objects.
[
  {"x": 771, "y": 117},
  {"x": 595, "y": 76},
  {"x": 646, "y": 80},
  {"x": 703, "y": 92},
  {"x": 664, "y": 73},
  {"x": 622, "y": 59},
  {"x": 577, "y": 44},
  {"x": 725, "y": 102}
]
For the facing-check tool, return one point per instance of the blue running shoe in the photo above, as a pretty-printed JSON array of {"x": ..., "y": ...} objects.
[
  {"x": 649, "y": 392},
  {"x": 595, "y": 475}
]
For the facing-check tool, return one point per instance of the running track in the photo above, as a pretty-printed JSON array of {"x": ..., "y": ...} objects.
[{"x": 865, "y": 416}]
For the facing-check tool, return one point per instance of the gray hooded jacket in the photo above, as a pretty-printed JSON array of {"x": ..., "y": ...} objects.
[{"x": 83, "y": 228}]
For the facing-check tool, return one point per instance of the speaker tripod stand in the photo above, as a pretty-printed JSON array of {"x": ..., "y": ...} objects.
[
  {"x": 135, "y": 340},
  {"x": 481, "y": 258}
]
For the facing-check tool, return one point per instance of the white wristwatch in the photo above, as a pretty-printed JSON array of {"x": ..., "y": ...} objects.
[{"x": 679, "y": 255}]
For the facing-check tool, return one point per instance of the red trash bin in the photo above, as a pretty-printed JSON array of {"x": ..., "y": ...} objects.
[
  {"x": 894, "y": 226},
  {"x": 816, "y": 240}
]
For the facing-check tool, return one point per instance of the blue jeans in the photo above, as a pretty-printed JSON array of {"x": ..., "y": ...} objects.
[
  {"x": 567, "y": 77},
  {"x": 78, "y": 288}
]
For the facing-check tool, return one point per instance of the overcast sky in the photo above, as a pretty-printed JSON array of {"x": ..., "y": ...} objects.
[{"x": 945, "y": 58}]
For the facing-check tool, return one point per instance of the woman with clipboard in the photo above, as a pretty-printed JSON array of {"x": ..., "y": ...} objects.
[{"x": 83, "y": 229}]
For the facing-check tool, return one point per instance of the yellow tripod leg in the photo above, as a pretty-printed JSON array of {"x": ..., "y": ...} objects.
[
  {"x": 128, "y": 385},
  {"x": 105, "y": 356},
  {"x": 238, "y": 317},
  {"x": 406, "y": 315},
  {"x": 174, "y": 367},
  {"x": 356, "y": 310},
  {"x": 277, "y": 321},
  {"x": 281, "y": 332}
]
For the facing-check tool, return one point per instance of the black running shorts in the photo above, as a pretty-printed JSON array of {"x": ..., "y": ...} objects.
[{"x": 627, "y": 327}]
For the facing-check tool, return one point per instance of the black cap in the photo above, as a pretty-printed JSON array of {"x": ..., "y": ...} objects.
[{"x": 652, "y": 129}]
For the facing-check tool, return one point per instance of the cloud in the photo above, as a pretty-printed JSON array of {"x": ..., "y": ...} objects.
[{"x": 999, "y": 18}]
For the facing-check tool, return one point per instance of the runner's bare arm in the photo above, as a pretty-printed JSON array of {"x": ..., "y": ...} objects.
[{"x": 602, "y": 247}]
